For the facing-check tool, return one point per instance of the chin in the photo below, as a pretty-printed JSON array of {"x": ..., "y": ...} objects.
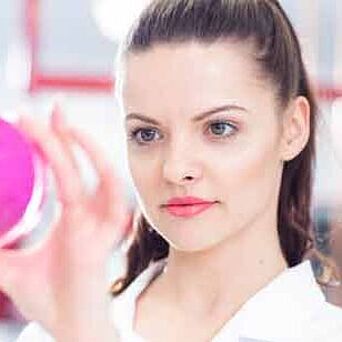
[{"x": 191, "y": 244}]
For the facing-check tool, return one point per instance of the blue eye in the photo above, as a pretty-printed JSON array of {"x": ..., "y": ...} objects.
[
  {"x": 222, "y": 128},
  {"x": 143, "y": 135}
]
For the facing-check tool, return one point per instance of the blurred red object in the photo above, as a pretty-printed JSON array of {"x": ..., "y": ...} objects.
[{"x": 41, "y": 81}]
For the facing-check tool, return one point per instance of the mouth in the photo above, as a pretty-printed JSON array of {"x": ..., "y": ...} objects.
[{"x": 189, "y": 209}]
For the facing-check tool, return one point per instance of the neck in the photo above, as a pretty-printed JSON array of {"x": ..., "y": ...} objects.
[{"x": 230, "y": 273}]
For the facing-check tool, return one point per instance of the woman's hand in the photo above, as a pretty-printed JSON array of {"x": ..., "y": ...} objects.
[{"x": 61, "y": 283}]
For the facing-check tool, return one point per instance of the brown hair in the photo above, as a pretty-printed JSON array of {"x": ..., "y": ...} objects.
[{"x": 278, "y": 53}]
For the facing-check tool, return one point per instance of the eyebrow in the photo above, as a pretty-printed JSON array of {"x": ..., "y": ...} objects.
[{"x": 197, "y": 118}]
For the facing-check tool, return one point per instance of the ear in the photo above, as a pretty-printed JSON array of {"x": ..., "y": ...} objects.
[{"x": 296, "y": 128}]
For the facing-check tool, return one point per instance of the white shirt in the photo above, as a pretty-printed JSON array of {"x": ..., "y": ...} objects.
[{"x": 291, "y": 308}]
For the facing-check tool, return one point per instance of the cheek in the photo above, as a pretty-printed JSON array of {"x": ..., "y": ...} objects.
[
  {"x": 250, "y": 179},
  {"x": 144, "y": 168}
]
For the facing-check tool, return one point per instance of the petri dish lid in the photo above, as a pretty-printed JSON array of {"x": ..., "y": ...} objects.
[{"x": 22, "y": 184}]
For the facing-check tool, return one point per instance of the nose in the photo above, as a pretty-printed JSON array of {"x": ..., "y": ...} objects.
[{"x": 180, "y": 167}]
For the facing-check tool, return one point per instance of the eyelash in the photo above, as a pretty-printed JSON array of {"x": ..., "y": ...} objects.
[{"x": 133, "y": 134}]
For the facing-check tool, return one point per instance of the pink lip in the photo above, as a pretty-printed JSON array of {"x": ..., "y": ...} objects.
[{"x": 187, "y": 206}]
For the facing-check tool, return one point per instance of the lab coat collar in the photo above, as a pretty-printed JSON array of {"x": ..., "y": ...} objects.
[{"x": 278, "y": 312}]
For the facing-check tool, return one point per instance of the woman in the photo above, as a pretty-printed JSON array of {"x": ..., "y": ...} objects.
[{"x": 220, "y": 121}]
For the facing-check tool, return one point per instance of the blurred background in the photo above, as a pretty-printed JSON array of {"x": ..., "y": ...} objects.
[{"x": 66, "y": 49}]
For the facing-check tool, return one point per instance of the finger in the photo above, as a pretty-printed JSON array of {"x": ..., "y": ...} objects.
[
  {"x": 110, "y": 189},
  {"x": 10, "y": 270},
  {"x": 69, "y": 187},
  {"x": 117, "y": 235},
  {"x": 60, "y": 127},
  {"x": 111, "y": 192},
  {"x": 128, "y": 224}
]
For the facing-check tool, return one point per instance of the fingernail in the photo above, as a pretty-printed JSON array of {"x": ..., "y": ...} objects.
[
  {"x": 57, "y": 116},
  {"x": 57, "y": 104}
]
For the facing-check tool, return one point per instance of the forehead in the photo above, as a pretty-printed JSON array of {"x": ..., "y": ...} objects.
[{"x": 192, "y": 76}]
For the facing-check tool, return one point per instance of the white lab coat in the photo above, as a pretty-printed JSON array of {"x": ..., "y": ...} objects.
[{"x": 291, "y": 308}]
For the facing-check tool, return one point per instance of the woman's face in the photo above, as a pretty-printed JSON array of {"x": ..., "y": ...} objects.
[{"x": 202, "y": 111}]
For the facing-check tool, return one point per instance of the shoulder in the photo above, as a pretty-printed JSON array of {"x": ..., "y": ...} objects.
[
  {"x": 34, "y": 332},
  {"x": 326, "y": 324},
  {"x": 329, "y": 316}
]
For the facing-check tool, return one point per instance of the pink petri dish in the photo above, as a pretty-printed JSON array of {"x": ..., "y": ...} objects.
[{"x": 22, "y": 184}]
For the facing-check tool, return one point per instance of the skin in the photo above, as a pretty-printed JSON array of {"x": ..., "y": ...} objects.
[
  {"x": 235, "y": 242},
  {"x": 61, "y": 282}
]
